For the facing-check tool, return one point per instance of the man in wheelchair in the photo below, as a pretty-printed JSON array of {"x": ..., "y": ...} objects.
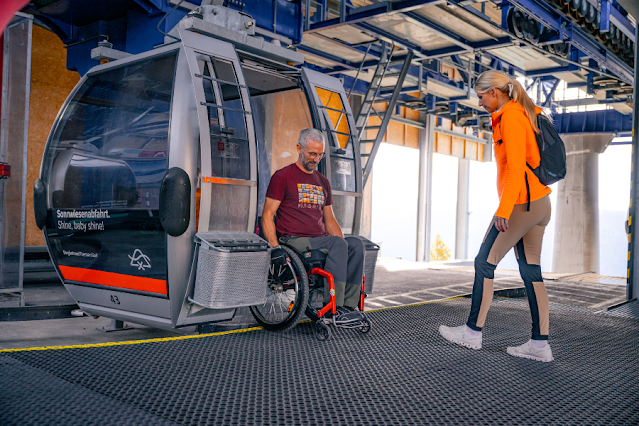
[{"x": 302, "y": 198}]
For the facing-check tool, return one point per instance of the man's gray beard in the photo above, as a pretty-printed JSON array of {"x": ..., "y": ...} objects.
[{"x": 306, "y": 166}]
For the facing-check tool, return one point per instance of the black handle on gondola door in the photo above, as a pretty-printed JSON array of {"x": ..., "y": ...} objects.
[
  {"x": 40, "y": 203},
  {"x": 175, "y": 201}
]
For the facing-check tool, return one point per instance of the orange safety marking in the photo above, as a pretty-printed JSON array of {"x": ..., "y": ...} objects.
[
  {"x": 226, "y": 181},
  {"x": 112, "y": 279}
]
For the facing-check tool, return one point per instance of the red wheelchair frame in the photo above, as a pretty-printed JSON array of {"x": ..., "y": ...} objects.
[
  {"x": 332, "y": 306},
  {"x": 323, "y": 332}
]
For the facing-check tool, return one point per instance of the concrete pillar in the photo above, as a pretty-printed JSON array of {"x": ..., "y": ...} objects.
[
  {"x": 426, "y": 142},
  {"x": 576, "y": 244},
  {"x": 461, "y": 226}
]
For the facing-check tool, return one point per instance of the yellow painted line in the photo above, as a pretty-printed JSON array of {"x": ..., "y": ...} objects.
[
  {"x": 131, "y": 342},
  {"x": 197, "y": 336}
]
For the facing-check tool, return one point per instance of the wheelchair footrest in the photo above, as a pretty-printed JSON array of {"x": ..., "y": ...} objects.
[
  {"x": 364, "y": 322},
  {"x": 354, "y": 324}
]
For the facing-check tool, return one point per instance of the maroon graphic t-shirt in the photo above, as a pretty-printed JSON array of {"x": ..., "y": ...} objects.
[{"x": 303, "y": 197}]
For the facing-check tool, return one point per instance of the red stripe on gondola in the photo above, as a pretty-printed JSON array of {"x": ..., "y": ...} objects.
[{"x": 112, "y": 279}]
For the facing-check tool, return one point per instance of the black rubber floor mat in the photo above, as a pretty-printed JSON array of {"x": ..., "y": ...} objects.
[
  {"x": 31, "y": 395},
  {"x": 401, "y": 373}
]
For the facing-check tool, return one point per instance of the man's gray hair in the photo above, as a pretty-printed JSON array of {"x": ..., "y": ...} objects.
[{"x": 310, "y": 135}]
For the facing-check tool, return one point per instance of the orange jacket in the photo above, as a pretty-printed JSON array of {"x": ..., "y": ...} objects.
[{"x": 515, "y": 145}]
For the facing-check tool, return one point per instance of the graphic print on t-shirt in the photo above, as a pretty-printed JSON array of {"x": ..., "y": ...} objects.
[{"x": 310, "y": 196}]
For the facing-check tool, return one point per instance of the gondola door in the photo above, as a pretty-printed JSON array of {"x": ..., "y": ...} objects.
[
  {"x": 342, "y": 166},
  {"x": 228, "y": 168}
]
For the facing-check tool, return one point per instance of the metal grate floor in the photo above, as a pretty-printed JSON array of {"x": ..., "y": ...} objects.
[
  {"x": 627, "y": 310},
  {"x": 401, "y": 373}
]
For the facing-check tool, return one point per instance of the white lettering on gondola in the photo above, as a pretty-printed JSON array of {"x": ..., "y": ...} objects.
[
  {"x": 83, "y": 214},
  {"x": 81, "y": 220},
  {"x": 78, "y": 253}
]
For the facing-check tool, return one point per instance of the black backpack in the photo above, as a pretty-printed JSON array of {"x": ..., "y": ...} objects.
[{"x": 552, "y": 167}]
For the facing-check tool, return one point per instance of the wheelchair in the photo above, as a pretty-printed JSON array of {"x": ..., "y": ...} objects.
[{"x": 298, "y": 288}]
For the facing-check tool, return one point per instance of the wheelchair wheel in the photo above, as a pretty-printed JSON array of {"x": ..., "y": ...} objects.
[
  {"x": 322, "y": 332},
  {"x": 285, "y": 299},
  {"x": 366, "y": 326}
]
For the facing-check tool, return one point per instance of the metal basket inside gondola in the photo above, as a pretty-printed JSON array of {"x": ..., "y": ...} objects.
[
  {"x": 232, "y": 270},
  {"x": 370, "y": 261}
]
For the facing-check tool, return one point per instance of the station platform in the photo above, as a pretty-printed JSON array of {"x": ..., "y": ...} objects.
[
  {"x": 65, "y": 371},
  {"x": 400, "y": 373}
]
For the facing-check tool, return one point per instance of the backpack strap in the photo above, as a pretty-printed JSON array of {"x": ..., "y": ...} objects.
[{"x": 527, "y": 190}]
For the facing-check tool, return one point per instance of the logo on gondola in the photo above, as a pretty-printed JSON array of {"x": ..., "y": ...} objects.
[{"x": 140, "y": 260}]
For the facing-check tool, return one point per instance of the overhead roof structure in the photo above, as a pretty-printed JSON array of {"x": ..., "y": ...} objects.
[
  {"x": 541, "y": 40},
  {"x": 587, "y": 43}
]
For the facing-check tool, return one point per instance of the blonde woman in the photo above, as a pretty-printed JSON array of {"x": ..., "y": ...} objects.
[{"x": 520, "y": 220}]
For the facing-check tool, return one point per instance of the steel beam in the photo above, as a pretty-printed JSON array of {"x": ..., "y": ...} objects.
[
  {"x": 546, "y": 71},
  {"x": 551, "y": 93},
  {"x": 603, "y": 121},
  {"x": 340, "y": 69},
  {"x": 460, "y": 135},
  {"x": 401, "y": 120},
  {"x": 437, "y": 29},
  {"x": 372, "y": 11},
  {"x": 392, "y": 38},
  {"x": 622, "y": 23},
  {"x": 604, "y": 23},
  {"x": 422, "y": 53},
  {"x": 357, "y": 49},
  {"x": 346, "y": 65}
]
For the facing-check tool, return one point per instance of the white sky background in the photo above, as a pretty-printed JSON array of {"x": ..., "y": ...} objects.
[
  {"x": 394, "y": 215},
  {"x": 394, "y": 205}
]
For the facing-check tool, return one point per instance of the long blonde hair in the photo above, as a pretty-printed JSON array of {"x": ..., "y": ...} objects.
[{"x": 512, "y": 88}]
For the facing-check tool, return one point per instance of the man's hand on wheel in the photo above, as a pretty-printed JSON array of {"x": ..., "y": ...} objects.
[{"x": 279, "y": 257}]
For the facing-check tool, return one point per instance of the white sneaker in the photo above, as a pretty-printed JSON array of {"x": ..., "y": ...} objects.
[
  {"x": 527, "y": 350},
  {"x": 461, "y": 336}
]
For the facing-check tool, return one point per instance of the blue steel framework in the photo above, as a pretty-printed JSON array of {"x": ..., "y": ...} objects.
[
  {"x": 559, "y": 28},
  {"x": 131, "y": 26}
]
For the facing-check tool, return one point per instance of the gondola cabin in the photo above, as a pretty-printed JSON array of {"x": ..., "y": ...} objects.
[{"x": 156, "y": 169}]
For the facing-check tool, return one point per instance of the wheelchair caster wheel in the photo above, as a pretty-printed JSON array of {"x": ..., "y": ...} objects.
[
  {"x": 322, "y": 331},
  {"x": 366, "y": 326}
]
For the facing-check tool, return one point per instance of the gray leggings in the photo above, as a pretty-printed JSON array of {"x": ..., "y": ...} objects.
[{"x": 345, "y": 261}]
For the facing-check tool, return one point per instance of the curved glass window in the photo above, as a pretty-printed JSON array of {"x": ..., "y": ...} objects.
[
  {"x": 230, "y": 154},
  {"x": 110, "y": 148},
  {"x": 336, "y": 114}
]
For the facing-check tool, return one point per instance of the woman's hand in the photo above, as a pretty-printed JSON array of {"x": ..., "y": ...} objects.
[{"x": 501, "y": 224}]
